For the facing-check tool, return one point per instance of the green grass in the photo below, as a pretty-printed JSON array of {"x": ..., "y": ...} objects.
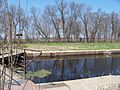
[
  {"x": 73, "y": 46},
  {"x": 40, "y": 74}
]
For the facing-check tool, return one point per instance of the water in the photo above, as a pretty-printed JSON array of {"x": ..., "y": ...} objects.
[{"x": 76, "y": 68}]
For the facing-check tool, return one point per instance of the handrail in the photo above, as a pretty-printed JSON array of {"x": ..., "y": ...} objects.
[
  {"x": 33, "y": 50},
  {"x": 26, "y": 49},
  {"x": 33, "y": 59},
  {"x": 27, "y": 64}
]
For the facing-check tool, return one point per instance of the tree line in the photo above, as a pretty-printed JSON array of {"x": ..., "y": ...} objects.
[{"x": 63, "y": 21}]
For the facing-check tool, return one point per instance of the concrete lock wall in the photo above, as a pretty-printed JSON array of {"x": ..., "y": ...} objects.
[{"x": 31, "y": 86}]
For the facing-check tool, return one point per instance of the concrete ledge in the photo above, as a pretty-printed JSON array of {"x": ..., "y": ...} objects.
[
  {"x": 73, "y": 52},
  {"x": 111, "y": 82}
]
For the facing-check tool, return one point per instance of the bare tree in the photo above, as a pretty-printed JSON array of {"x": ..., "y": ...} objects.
[
  {"x": 61, "y": 6},
  {"x": 4, "y": 25},
  {"x": 14, "y": 13},
  {"x": 27, "y": 26},
  {"x": 38, "y": 23},
  {"x": 72, "y": 24},
  {"x": 51, "y": 13},
  {"x": 62, "y": 21},
  {"x": 95, "y": 20},
  {"x": 84, "y": 13},
  {"x": 18, "y": 19},
  {"x": 114, "y": 26}
]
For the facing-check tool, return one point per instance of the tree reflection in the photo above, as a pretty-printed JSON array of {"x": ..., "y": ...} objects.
[{"x": 84, "y": 67}]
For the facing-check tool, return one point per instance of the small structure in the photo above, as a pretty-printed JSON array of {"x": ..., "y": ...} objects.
[{"x": 19, "y": 38}]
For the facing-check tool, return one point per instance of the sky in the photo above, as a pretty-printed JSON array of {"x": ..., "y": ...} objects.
[{"x": 105, "y": 5}]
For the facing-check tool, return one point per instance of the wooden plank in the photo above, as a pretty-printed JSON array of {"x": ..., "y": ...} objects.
[{"x": 7, "y": 55}]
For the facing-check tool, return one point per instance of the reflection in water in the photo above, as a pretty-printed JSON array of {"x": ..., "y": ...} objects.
[{"x": 76, "y": 68}]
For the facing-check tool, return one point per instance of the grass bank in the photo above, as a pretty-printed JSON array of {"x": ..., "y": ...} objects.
[{"x": 72, "y": 46}]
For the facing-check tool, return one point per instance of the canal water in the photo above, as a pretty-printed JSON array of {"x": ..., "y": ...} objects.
[{"x": 76, "y": 68}]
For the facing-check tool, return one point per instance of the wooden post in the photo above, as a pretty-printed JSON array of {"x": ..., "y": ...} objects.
[
  {"x": 11, "y": 52},
  {"x": 25, "y": 68},
  {"x": 0, "y": 48}
]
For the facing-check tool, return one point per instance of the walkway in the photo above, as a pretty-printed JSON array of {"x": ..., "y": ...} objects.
[{"x": 97, "y": 83}]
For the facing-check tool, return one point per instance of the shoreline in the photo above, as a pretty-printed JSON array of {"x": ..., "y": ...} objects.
[{"x": 51, "y": 53}]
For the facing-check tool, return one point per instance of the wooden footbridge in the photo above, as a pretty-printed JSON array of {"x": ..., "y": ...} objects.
[
  {"x": 19, "y": 59},
  {"x": 19, "y": 56}
]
